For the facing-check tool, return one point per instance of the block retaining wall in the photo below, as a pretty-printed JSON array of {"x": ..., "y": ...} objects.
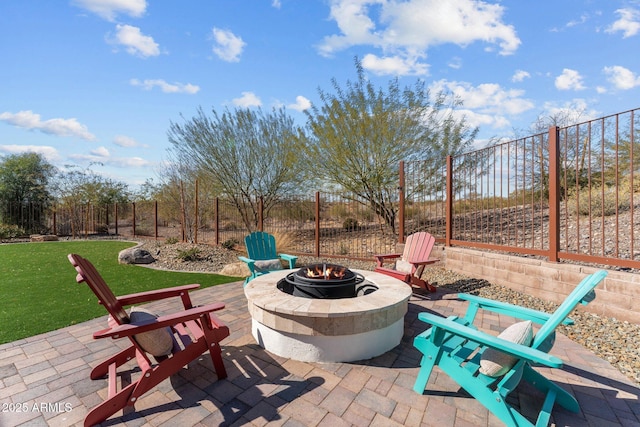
[{"x": 618, "y": 296}]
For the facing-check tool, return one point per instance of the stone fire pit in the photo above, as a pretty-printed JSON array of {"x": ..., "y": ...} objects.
[{"x": 327, "y": 330}]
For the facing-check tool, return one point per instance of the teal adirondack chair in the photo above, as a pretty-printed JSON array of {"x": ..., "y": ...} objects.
[
  {"x": 456, "y": 346},
  {"x": 263, "y": 256}
]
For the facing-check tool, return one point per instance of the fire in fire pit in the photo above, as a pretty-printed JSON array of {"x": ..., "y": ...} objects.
[
  {"x": 328, "y": 281},
  {"x": 324, "y": 271}
]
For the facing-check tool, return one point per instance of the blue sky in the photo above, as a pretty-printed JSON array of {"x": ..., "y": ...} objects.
[{"x": 99, "y": 81}]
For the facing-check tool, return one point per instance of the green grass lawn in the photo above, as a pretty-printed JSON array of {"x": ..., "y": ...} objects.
[{"x": 39, "y": 293}]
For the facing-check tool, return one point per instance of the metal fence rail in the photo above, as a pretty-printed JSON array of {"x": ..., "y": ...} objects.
[{"x": 570, "y": 193}]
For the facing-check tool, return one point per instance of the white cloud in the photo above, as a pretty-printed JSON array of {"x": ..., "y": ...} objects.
[
  {"x": 485, "y": 104},
  {"x": 125, "y": 141},
  {"x": 628, "y": 23},
  {"x": 108, "y": 9},
  {"x": 407, "y": 29},
  {"x": 227, "y": 46},
  {"x": 166, "y": 87},
  {"x": 100, "y": 152},
  {"x": 301, "y": 104},
  {"x": 520, "y": 75},
  {"x": 248, "y": 99},
  {"x": 487, "y": 96},
  {"x": 130, "y": 162},
  {"x": 393, "y": 65},
  {"x": 276, "y": 3},
  {"x": 455, "y": 63},
  {"x": 621, "y": 77},
  {"x": 477, "y": 119},
  {"x": 574, "y": 23},
  {"x": 574, "y": 111},
  {"x": 49, "y": 153},
  {"x": 569, "y": 80},
  {"x": 135, "y": 42},
  {"x": 120, "y": 162},
  {"x": 60, "y": 127}
]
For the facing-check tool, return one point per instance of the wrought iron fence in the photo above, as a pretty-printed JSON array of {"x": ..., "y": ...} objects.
[{"x": 570, "y": 193}]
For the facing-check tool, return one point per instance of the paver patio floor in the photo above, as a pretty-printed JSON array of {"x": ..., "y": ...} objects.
[{"x": 44, "y": 381}]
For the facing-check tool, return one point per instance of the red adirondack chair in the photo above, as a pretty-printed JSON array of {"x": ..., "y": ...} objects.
[
  {"x": 410, "y": 264},
  {"x": 197, "y": 329}
]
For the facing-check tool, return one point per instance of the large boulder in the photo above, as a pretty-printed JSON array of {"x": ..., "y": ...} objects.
[
  {"x": 135, "y": 256},
  {"x": 236, "y": 269},
  {"x": 43, "y": 238}
]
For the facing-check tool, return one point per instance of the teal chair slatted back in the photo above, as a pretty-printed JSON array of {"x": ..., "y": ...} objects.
[{"x": 261, "y": 246}]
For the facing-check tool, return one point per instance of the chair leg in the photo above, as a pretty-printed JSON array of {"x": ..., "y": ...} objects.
[
  {"x": 109, "y": 407},
  {"x": 214, "y": 332},
  {"x": 426, "y": 367},
  {"x": 119, "y": 359},
  {"x": 421, "y": 283},
  {"x": 548, "y": 387}
]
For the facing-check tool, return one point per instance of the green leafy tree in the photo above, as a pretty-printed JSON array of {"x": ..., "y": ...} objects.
[
  {"x": 244, "y": 154},
  {"x": 24, "y": 180},
  {"x": 76, "y": 189},
  {"x": 361, "y": 133},
  {"x": 85, "y": 186}
]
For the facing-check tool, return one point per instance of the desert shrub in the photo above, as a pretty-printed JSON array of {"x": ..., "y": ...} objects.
[
  {"x": 102, "y": 228},
  {"x": 284, "y": 241},
  {"x": 338, "y": 210},
  {"x": 191, "y": 254},
  {"x": 142, "y": 230},
  {"x": 8, "y": 231},
  {"x": 626, "y": 183},
  {"x": 366, "y": 215},
  {"x": 344, "y": 249},
  {"x": 599, "y": 202},
  {"x": 295, "y": 211},
  {"x": 350, "y": 224},
  {"x": 171, "y": 240},
  {"x": 230, "y": 243},
  {"x": 229, "y": 226}
]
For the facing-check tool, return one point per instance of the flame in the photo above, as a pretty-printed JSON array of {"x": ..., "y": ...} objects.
[{"x": 322, "y": 271}]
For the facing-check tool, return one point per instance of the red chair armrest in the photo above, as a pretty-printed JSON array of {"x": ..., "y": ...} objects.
[
  {"x": 382, "y": 257},
  {"x": 425, "y": 261},
  {"x": 156, "y": 294},
  {"x": 130, "y": 329}
]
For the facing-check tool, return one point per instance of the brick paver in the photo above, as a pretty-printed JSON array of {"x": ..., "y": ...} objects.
[{"x": 44, "y": 381}]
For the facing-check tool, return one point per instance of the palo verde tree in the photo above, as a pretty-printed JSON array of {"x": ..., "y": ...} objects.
[
  {"x": 24, "y": 180},
  {"x": 360, "y": 133},
  {"x": 245, "y": 154}
]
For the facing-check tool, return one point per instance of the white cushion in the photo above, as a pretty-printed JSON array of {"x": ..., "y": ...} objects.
[
  {"x": 158, "y": 342},
  {"x": 267, "y": 265},
  {"x": 495, "y": 363},
  {"x": 404, "y": 266}
]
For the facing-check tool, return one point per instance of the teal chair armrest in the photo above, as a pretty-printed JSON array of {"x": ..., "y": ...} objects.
[
  {"x": 517, "y": 350},
  {"x": 290, "y": 258},
  {"x": 512, "y": 310},
  {"x": 250, "y": 263}
]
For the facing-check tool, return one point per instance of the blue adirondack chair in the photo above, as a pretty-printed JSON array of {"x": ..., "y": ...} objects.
[
  {"x": 456, "y": 346},
  {"x": 263, "y": 256}
]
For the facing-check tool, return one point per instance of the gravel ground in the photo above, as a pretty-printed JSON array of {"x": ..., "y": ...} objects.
[{"x": 613, "y": 340}]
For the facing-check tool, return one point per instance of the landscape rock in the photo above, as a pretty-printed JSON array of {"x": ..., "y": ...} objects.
[
  {"x": 135, "y": 255},
  {"x": 236, "y": 269},
  {"x": 43, "y": 238}
]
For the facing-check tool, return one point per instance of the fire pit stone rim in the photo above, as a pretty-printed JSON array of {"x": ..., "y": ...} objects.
[{"x": 272, "y": 299}]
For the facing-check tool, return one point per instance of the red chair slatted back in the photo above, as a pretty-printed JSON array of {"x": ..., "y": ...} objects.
[{"x": 87, "y": 273}]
